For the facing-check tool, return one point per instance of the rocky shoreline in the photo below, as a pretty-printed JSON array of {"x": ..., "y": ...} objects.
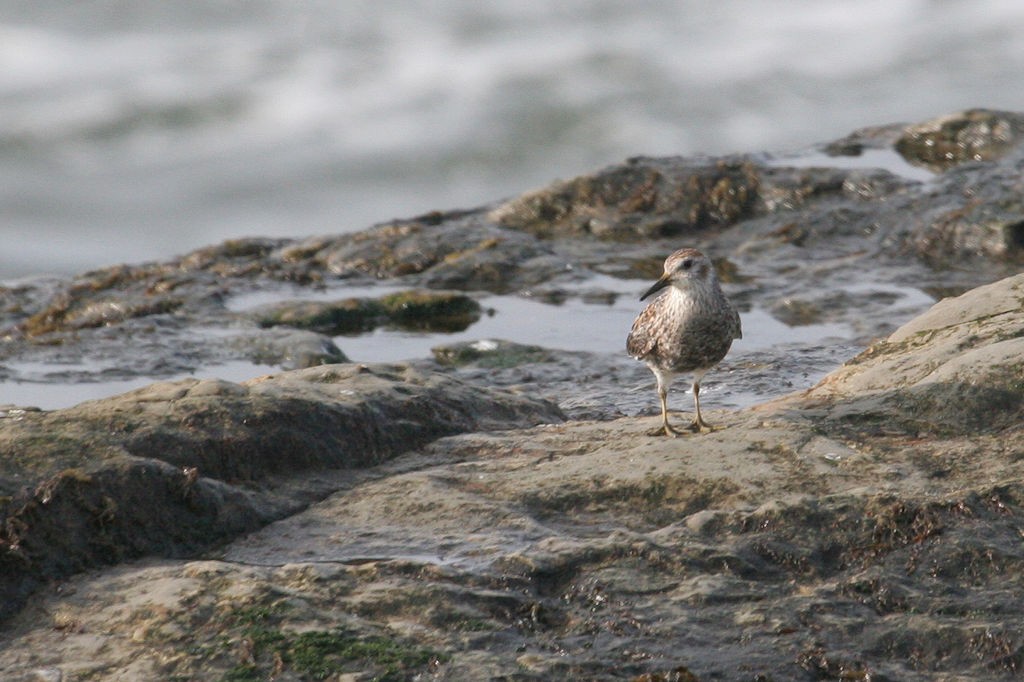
[{"x": 495, "y": 512}]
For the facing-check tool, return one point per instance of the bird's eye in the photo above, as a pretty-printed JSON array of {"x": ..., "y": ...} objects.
[{"x": 687, "y": 264}]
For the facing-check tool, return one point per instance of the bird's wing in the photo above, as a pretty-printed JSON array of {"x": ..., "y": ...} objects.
[
  {"x": 737, "y": 328},
  {"x": 641, "y": 342}
]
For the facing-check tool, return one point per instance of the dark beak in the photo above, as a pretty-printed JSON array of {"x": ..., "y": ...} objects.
[{"x": 656, "y": 287}]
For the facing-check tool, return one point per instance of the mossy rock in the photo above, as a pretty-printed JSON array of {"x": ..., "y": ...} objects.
[
  {"x": 66, "y": 313},
  {"x": 430, "y": 310},
  {"x": 347, "y": 316},
  {"x": 433, "y": 311}
]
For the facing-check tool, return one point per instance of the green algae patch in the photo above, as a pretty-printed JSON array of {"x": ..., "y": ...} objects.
[
  {"x": 430, "y": 310},
  {"x": 347, "y": 316},
  {"x": 260, "y": 633},
  {"x": 433, "y": 311},
  {"x": 322, "y": 653}
]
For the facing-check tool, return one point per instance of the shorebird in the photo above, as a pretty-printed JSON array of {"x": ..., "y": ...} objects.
[{"x": 688, "y": 328}]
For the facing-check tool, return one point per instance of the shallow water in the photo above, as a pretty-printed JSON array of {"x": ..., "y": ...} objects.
[
  {"x": 772, "y": 358},
  {"x": 595, "y": 321},
  {"x": 887, "y": 159},
  {"x": 47, "y": 387}
]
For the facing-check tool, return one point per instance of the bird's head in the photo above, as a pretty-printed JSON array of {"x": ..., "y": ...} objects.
[{"x": 683, "y": 269}]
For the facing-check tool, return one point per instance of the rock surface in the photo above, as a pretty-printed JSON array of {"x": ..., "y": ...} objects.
[
  {"x": 821, "y": 536},
  {"x": 443, "y": 520},
  {"x": 973, "y": 135},
  {"x": 957, "y": 369},
  {"x": 176, "y": 467},
  {"x": 410, "y": 310}
]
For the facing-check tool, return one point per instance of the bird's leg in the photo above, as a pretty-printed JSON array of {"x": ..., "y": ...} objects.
[
  {"x": 699, "y": 425},
  {"x": 665, "y": 429}
]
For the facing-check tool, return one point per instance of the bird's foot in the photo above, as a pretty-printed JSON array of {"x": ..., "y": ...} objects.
[
  {"x": 665, "y": 430},
  {"x": 700, "y": 426}
]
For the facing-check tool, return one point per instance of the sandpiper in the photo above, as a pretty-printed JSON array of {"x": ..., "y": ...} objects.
[{"x": 688, "y": 328}]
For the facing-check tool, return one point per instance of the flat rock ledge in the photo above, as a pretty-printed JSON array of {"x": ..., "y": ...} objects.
[
  {"x": 175, "y": 467},
  {"x": 866, "y": 529}
]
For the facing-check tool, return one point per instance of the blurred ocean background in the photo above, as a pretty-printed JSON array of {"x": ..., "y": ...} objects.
[{"x": 141, "y": 129}]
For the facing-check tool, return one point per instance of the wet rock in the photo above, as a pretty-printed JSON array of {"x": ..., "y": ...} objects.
[
  {"x": 233, "y": 258},
  {"x": 430, "y": 310},
  {"x": 347, "y": 316},
  {"x": 289, "y": 348},
  {"x": 100, "y": 298},
  {"x": 985, "y": 231},
  {"x": 795, "y": 312},
  {"x": 834, "y": 307},
  {"x": 644, "y": 198},
  {"x": 652, "y": 198},
  {"x": 678, "y": 674},
  {"x": 409, "y": 310},
  {"x": 491, "y": 353},
  {"x": 986, "y": 226},
  {"x": 461, "y": 252},
  {"x": 971, "y": 135},
  {"x": 62, "y": 314},
  {"x": 786, "y": 189}
]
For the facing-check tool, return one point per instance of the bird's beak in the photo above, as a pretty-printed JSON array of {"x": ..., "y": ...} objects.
[{"x": 662, "y": 282}]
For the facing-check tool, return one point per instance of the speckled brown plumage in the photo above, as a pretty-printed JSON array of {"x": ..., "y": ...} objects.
[{"x": 688, "y": 328}]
